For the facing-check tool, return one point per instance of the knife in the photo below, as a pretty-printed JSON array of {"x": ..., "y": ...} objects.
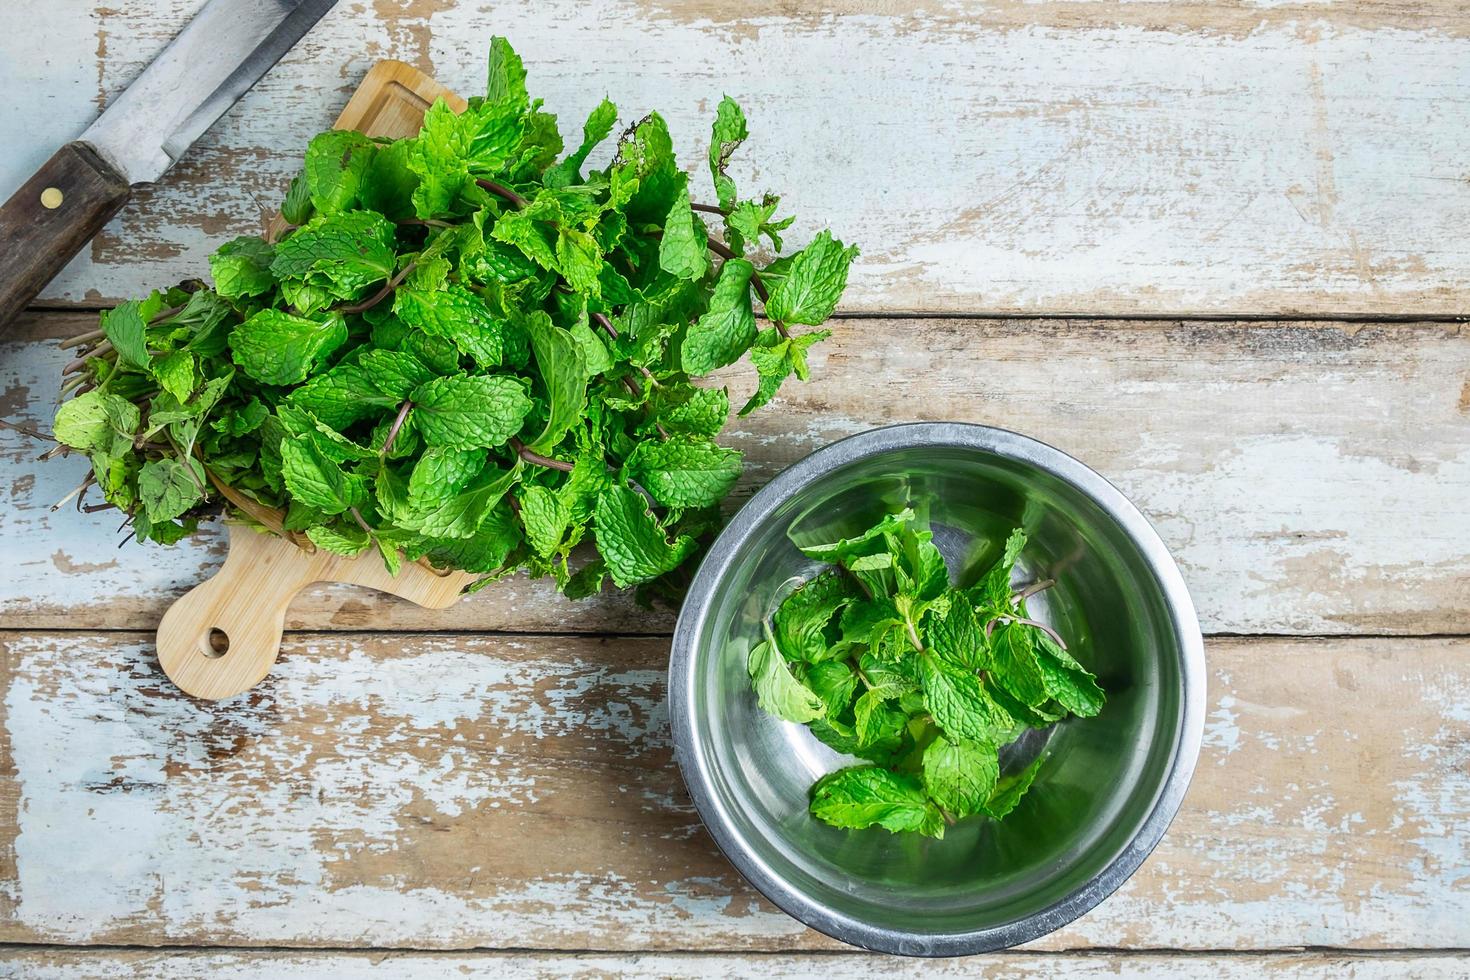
[{"x": 214, "y": 60}]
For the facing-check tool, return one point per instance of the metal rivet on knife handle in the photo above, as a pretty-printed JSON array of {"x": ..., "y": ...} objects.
[{"x": 51, "y": 198}]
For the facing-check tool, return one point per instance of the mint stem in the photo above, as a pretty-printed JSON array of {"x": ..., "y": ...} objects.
[
  {"x": 723, "y": 251},
  {"x": 381, "y": 294},
  {"x": 393, "y": 429},
  {"x": 500, "y": 190},
  {"x": 709, "y": 209},
  {"x": 534, "y": 457}
]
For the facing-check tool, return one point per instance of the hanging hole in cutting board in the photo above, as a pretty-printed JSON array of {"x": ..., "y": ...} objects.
[{"x": 216, "y": 643}]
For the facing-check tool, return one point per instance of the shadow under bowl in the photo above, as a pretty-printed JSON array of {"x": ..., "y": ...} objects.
[{"x": 1109, "y": 785}]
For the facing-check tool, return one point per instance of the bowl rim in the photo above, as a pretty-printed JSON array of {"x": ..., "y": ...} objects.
[{"x": 689, "y": 738}]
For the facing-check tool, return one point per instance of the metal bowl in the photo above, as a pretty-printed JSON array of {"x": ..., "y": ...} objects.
[{"x": 1110, "y": 784}]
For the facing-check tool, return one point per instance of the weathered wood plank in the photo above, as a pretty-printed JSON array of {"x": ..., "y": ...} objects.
[
  {"x": 1172, "y": 157},
  {"x": 66, "y": 964},
  {"x": 1309, "y": 478},
  {"x": 457, "y": 791}
]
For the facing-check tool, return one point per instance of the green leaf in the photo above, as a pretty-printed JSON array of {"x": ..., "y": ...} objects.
[
  {"x": 1065, "y": 680},
  {"x": 596, "y": 129},
  {"x": 394, "y": 373},
  {"x": 460, "y": 514},
  {"x": 813, "y": 284},
  {"x": 959, "y": 704},
  {"x": 1010, "y": 789},
  {"x": 296, "y": 208},
  {"x": 457, "y": 315},
  {"x": 631, "y": 541},
  {"x": 835, "y": 683},
  {"x": 125, "y": 326},
  {"x": 1013, "y": 663},
  {"x": 960, "y": 775},
  {"x": 776, "y": 359},
  {"x": 506, "y": 78},
  {"x": 729, "y": 133},
  {"x": 175, "y": 373},
  {"x": 337, "y": 162},
  {"x": 280, "y": 349},
  {"x": 340, "y": 253},
  {"x": 839, "y": 551},
  {"x": 685, "y": 471},
  {"x": 438, "y": 157},
  {"x": 957, "y": 636},
  {"x": 874, "y": 721},
  {"x": 684, "y": 250},
  {"x": 317, "y": 480},
  {"x": 691, "y": 410},
  {"x": 93, "y": 420},
  {"x": 242, "y": 267},
  {"x": 801, "y": 621},
  {"x": 727, "y": 328},
  {"x": 169, "y": 487},
  {"x": 564, "y": 376},
  {"x": 545, "y": 517},
  {"x": 777, "y": 689},
  {"x": 389, "y": 184},
  {"x": 864, "y": 796},
  {"x": 339, "y": 541},
  {"x": 470, "y": 412},
  {"x": 342, "y": 396},
  {"x": 440, "y": 472}
]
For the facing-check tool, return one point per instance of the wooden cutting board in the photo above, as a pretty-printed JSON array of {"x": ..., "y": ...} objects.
[{"x": 222, "y": 637}]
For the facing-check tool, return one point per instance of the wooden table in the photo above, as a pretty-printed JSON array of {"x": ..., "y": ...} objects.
[{"x": 1218, "y": 251}]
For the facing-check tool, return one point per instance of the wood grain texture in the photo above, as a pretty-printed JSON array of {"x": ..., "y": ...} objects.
[
  {"x": 457, "y": 791},
  {"x": 61, "y": 964},
  {"x": 222, "y": 636},
  {"x": 50, "y": 218},
  {"x": 989, "y": 155},
  {"x": 1308, "y": 478}
]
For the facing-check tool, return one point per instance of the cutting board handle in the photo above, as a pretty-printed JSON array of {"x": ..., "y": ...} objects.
[{"x": 223, "y": 636}]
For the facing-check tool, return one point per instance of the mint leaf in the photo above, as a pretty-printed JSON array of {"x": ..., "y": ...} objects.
[
  {"x": 394, "y": 373},
  {"x": 563, "y": 372},
  {"x": 169, "y": 487},
  {"x": 865, "y": 796},
  {"x": 727, "y": 329},
  {"x": 337, "y": 163},
  {"x": 125, "y": 326},
  {"x": 842, "y": 549},
  {"x": 813, "y": 283},
  {"x": 1010, "y": 789},
  {"x": 960, "y": 775},
  {"x": 347, "y": 541},
  {"x": 94, "y": 420},
  {"x": 685, "y": 471},
  {"x": 457, "y": 315},
  {"x": 342, "y": 396},
  {"x": 631, "y": 541},
  {"x": 545, "y": 516},
  {"x": 506, "y": 78},
  {"x": 1014, "y": 666},
  {"x": 835, "y": 683},
  {"x": 460, "y": 514},
  {"x": 957, "y": 637},
  {"x": 278, "y": 348},
  {"x": 317, "y": 480},
  {"x": 801, "y": 621},
  {"x": 596, "y": 129},
  {"x": 960, "y": 705},
  {"x": 341, "y": 254},
  {"x": 242, "y": 267},
  {"x": 776, "y": 359},
  {"x": 778, "y": 690},
  {"x": 1065, "y": 680},
  {"x": 684, "y": 250},
  {"x": 470, "y": 412},
  {"x": 729, "y": 133},
  {"x": 175, "y": 373}
]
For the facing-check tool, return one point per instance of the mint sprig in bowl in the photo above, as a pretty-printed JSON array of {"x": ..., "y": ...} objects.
[{"x": 949, "y": 858}]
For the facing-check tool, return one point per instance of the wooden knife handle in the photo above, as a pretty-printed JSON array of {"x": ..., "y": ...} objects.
[{"x": 50, "y": 218}]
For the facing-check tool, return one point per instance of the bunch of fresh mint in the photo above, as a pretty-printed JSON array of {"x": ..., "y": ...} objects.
[
  {"x": 463, "y": 350},
  {"x": 883, "y": 659}
]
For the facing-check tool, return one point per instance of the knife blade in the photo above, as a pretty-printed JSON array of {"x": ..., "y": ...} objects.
[{"x": 203, "y": 71}]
